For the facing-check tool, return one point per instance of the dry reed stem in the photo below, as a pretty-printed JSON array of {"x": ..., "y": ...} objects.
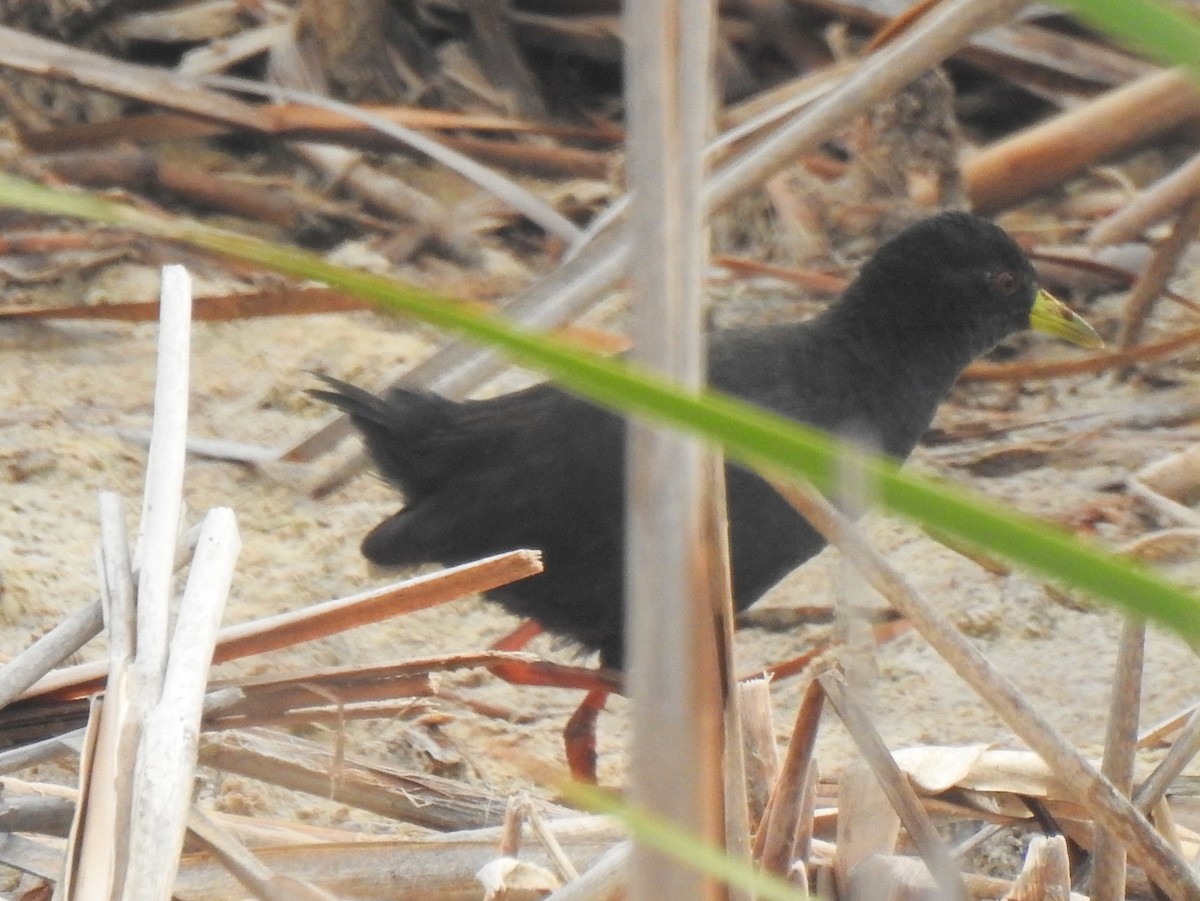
[
  {"x": 260, "y": 880},
  {"x": 108, "y": 751},
  {"x": 1150, "y": 206},
  {"x": 1046, "y": 872},
  {"x": 785, "y": 811},
  {"x": 438, "y": 868},
  {"x": 1185, "y": 747},
  {"x": 1047, "y": 154},
  {"x": 162, "y": 502},
  {"x": 1019, "y": 372},
  {"x": 675, "y": 653},
  {"x": 166, "y": 758},
  {"x": 603, "y": 881},
  {"x": 1162, "y": 267},
  {"x": 305, "y": 766},
  {"x": 758, "y": 740},
  {"x": 1089, "y": 787},
  {"x": 1120, "y": 752},
  {"x": 328, "y": 618},
  {"x": 895, "y": 785}
]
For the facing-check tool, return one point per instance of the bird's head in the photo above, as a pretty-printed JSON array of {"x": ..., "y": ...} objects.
[{"x": 957, "y": 275}]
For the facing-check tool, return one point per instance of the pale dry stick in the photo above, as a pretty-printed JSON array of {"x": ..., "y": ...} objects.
[
  {"x": 36, "y": 55},
  {"x": 247, "y": 869},
  {"x": 95, "y": 866},
  {"x": 603, "y": 881},
  {"x": 1151, "y": 205},
  {"x": 1120, "y": 747},
  {"x": 300, "y": 765},
  {"x": 802, "y": 839},
  {"x": 42, "y": 751},
  {"x": 1185, "y": 747},
  {"x": 24, "y": 670},
  {"x": 1151, "y": 283},
  {"x": 1045, "y": 873},
  {"x": 1045, "y": 155},
  {"x": 717, "y": 573},
  {"x": 510, "y": 829},
  {"x": 460, "y": 367},
  {"x": 38, "y": 857},
  {"x": 1089, "y": 787},
  {"x": 49, "y": 651},
  {"x": 428, "y": 868},
  {"x": 330, "y": 617},
  {"x": 758, "y": 739},
  {"x": 505, "y": 189},
  {"x": 675, "y": 674},
  {"x": 781, "y": 821},
  {"x": 1164, "y": 818},
  {"x": 1159, "y": 732},
  {"x": 554, "y": 850},
  {"x": 108, "y": 788},
  {"x": 166, "y": 758},
  {"x": 42, "y": 815},
  {"x": 118, "y": 596},
  {"x": 896, "y": 786},
  {"x": 162, "y": 502},
  {"x": 1023, "y": 371}
]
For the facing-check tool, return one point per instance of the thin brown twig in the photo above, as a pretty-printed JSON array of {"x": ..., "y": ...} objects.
[
  {"x": 1019, "y": 372},
  {"x": 1162, "y": 267}
]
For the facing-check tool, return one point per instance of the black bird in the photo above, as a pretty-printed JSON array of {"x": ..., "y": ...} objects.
[{"x": 542, "y": 468}]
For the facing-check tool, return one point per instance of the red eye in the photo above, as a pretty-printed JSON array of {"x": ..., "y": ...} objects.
[{"x": 1006, "y": 281}]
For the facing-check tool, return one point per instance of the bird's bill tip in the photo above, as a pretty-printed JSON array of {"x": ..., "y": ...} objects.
[{"x": 1052, "y": 316}]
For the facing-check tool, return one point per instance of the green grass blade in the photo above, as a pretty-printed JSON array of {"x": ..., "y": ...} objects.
[
  {"x": 1160, "y": 30},
  {"x": 746, "y": 433},
  {"x": 669, "y": 838}
]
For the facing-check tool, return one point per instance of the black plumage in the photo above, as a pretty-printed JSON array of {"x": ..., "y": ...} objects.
[{"x": 544, "y": 469}]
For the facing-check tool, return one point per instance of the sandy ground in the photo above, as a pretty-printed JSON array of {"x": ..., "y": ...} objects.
[{"x": 66, "y": 390}]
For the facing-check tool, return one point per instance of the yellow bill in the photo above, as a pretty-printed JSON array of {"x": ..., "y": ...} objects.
[{"x": 1052, "y": 316}]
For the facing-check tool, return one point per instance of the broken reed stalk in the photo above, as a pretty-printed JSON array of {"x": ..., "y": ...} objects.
[
  {"x": 758, "y": 740},
  {"x": 1019, "y": 372},
  {"x": 1150, "y": 206},
  {"x": 676, "y": 656},
  {"x": 328, "y": 618},
  {"x": 896, "y": 786},
  {"x": 1152, "y": 282},
  {"x": 1120, "y": 752},
  {"x": 1108, "y": 807},
  {"x": 162, "y": 502},
  {"x": 603, "y": 881},
  {"x": 1045, "y": 155},
  {"x": 261, "y": 881},
  {"x": 1185, "y": 747},
  {"x": 23, "y": 671},
  {"x": 783, "y": 819},
  {"x": 49, "y": 651},
  {"x": 99, "y": 842},
  {"x": 166, "y": 759},
  {"x": 99, "y": 847}
]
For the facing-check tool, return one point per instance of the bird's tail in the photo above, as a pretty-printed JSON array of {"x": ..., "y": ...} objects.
[{"x": 400, "y": 431}]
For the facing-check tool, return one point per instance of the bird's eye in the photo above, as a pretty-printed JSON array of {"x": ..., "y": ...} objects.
[{"x": 1006, "y": 281}]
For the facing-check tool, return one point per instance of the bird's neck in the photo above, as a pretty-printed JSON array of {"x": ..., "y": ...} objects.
[{"x": 905, "y": 374}]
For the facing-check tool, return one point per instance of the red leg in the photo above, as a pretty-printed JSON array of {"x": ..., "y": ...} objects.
[
  {"x": 580, "y": 736},
  {"x": 519, "y": 637},
  {"x": 544, "y": 672}
]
